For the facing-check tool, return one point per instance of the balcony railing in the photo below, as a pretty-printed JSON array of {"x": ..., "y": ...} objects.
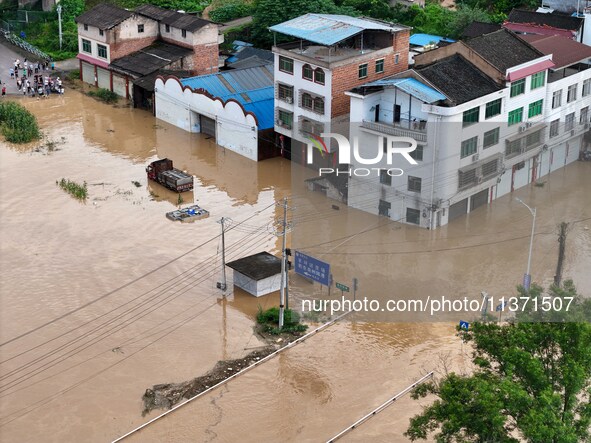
[{"x": 406, "y": 128}]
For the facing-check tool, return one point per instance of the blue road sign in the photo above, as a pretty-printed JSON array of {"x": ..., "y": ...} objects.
[
  {"x": 312, "y": 268},
  {"x": 501, "y": 307},
  {"x": 464, "y": 325}
]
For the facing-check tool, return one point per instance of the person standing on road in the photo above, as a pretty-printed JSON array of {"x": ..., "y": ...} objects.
[
  {"x": 11, "y": 70},
  {"x": 3, "y": 90}
]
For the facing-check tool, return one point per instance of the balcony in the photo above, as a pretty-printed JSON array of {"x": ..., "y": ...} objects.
[{"x": 405, "y": 128}]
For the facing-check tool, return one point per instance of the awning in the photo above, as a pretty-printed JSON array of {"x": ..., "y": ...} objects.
[
  {"x": 524, "y": 72},
  {"x": 93, "y": 61}
]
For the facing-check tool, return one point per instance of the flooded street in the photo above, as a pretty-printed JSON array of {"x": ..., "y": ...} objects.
[{"x": 103, "y": 299}]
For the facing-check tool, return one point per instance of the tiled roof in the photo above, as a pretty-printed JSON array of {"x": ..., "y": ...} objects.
[
  {"x": 328, "y": 29},
  {"x": 104, "y": 16},
  {"x": 554, "y": 20},
  {"x": 154, "y": 12},
  {"x": 252, "y": 87},
  {"x": 503, "y": 49},
  {"x": 565, "y": 52},
  {"x": 187, "y": 22},
  {"x": 147, "y": 60},
  {"x": 258, "y": 266},
  {"x": 458, "y": 79},
  {"x": 476, "y": 29}
]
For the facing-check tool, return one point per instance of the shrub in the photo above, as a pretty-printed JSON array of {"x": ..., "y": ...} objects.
[
  {"x": 230, "y": 11},
  {"x": 269, "y": 319},
  {"x": 104, "y": 95},
  {"x": 74, "y": 189},
  {"x": 17, "y": 124},
  {"x": 74, "y": 74}
]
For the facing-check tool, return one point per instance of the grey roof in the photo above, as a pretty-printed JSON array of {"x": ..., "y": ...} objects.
[
  {"x": 104, "y": 16},
  {"x": 476, "y": 29},
  {"x": 458, "y": 79},
  {"x": 154, "y": 12},
  {"x": 249, "y": 51},
  {"x": 560, "y": 21},
  {"x": 250, "y": 62},
  {"x": 503, "y": 49},
  {"x": 258, "y": 266},
  {"x": 147, "y": 60},
  {"x": 184, "y": 21},
  {"x": 147, "y": 82}
]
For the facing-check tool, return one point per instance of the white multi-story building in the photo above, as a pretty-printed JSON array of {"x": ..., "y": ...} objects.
[{"x": 488, "y": 117}]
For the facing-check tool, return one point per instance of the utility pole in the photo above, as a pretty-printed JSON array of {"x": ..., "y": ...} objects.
[
  {"x": 283, "y": 258},
  {"x": 561, "y": 250},
  {"x": 527, "y": 276},
  {"x": 222, "y": 285},
  {"x": 59, "y": 19}
]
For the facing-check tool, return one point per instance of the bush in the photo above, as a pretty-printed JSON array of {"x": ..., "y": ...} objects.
[
  {"x": 104, "y": 95},
  {"x": 269, "y": 319},
  {"x": 17, "y": 124},
  {"x": 73, "y": 74},
  {"x": 230, "y": 11},
  {"x": 74, "y": 189}
]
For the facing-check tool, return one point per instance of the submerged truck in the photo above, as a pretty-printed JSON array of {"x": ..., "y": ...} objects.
[{"x": 161, "y": 171}]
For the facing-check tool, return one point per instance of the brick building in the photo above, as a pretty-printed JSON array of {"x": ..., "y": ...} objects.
[
  {"x": 330, "y": 55},
  {"x": 118, "y": 47}
]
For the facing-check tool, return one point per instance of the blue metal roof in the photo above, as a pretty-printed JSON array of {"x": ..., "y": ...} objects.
[
  {"x": 252, "y": 87},
  {"x": 413, "y": 87},
  {"x": 425, "y": 39},
  {"x": 328, "y": 29}
]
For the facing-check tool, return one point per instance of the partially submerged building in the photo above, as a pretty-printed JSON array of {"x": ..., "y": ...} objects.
[{"x": 258, "y": 274}]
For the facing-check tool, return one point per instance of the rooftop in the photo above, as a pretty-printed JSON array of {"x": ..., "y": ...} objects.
[
  {"x": 249, "y": 62},
  {"x": 560, "y": 21},
  {"x": 476, "y": 29},
  {"x": 503, "y": 49},
  {"x": 327, "y": 29},
  {"x": 186, "y": 22},
  {"x": 252, "y": 87},
  {"x": 258, "y": 266},
  {"x": 149, "y": 59},
  {"x": 104, "y": 16},
  {"x": 248, "y": 51},
  {"x": 458, "y": 79},
  {"x": 426, "y": 39},
  {"x": 565, "y": 52},
  {"x": 411, "y": 86},
  {"x": 153, "y": 12}
]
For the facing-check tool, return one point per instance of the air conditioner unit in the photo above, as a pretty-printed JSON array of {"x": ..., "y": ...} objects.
[
  {"x": 528, "y": 125},
  {"x": 475, "y": 158},
  {"x": 479, "y": 179},
  {"x": 522, "y": 128},
  {"x": 572, "y": 132},
  {"x": 289, "y": 100},
  {"x": 545, "y": 148}
]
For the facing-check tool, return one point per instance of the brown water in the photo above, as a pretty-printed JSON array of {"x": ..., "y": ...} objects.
[{"x": 57, "y": 254}]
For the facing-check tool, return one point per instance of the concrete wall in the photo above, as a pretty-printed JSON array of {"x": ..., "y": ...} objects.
[
  {"x": 235, "y": 129},
  {"x": 568, "y": 6},
  {"x": 257, "y": 288}
]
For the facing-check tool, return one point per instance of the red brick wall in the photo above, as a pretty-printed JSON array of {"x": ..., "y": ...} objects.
[
  {"x": 346, "y": 77},
  {"x": 204, "y": 59},
  {"x": 125, "y": 47}
]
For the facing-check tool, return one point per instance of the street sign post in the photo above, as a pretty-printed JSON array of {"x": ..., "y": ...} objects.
[
  {"x": 464, "y": 325},
  {"x": 312, "y": 268},
  {"x": 342, "y": 287}
]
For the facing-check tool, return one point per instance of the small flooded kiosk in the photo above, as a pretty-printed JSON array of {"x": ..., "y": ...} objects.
[{"x": 258, "y": 274}]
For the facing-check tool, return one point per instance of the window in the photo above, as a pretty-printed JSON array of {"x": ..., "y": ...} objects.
[
  {"x": 467, "y": 178},
  {"x": 584, "y": 118},
  {"x": 286, "y": 65},
  {"x": 396, "y": 59},
  {"x": 86, "y": 46},
  {"x": 493, "y": 108},
  {"x": 385, "y": 178},
  {"x": 515, "y": 116},
  {"x": 470, "y": 116},
  {"x": 554, "y": 127},
  {"x": 363, "y": 70},
  {"x": 102, "y": 51},
  {"x": 101, "y": 32},
  {"x": 285, "y": 93},
  {"x": 571, "y": 94},
  {"x": 569, "y": 121},
  {"x": 513, "y": 148},
  {"x": 184, "y": 33},
  {"x": 533, "y": 139},
  {"x": 318, "y": 105},
  {"x": 319, "y": 76},
  {"x": 167, "y": 28},
  {"x": 417, "y": 154},
  {"x": 379, "y": 66},
  {"x": 140, "y": 28},
  {"x": 414, "y": 184},
  {"x": 556, "y": 99},
  {"x": 490, "y": 168},
  {"x": 538, "y": 80},
  {"x": 587, "y": 87},
  {"x": 491, "y": 138},
  {"x": 285, "y": 119},
  {"x": 307, "y": 72},
  {"x": 535, "y": 108},
  {"x": 307, "y": 101},
  {"x": 384, "y": 208},
  {"x": 86, "y": 27},
  {"x": 469, "y": 147},
  {"x": 518, "y": 87},
  {"x": 413, "y": 216}
]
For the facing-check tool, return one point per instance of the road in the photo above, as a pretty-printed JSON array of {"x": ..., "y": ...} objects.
[{"x": 236, "y": 23}]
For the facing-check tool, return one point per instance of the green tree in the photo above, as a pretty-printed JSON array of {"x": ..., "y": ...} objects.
[
  {"x": 532, "y": 383},
  {"x": 71, "y": 9}
]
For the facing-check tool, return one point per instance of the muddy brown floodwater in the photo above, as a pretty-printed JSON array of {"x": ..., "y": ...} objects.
[{"x": 157, "y": 317}]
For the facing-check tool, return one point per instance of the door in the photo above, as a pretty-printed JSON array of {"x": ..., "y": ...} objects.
[
  {"x": 397, "y": 113},
  {"x": 377, "y": 114},
  {"x": 207, "y": 126},
  {"x": 478, "y": 199},
  {"x": 458, "y": 209},
  {"x": 534, "y": 169},
  {"x": 119, "y": 85},
  {"x": 104, "y": 78},
  {"x": 88, "y": 73}
]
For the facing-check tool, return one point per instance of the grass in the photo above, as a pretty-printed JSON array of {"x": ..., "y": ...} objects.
[
  {"x": 76, "y": 190},
  {"x": 104, "y": 95},
  {"x": 73, "y": 74},
  {"x": 17, "y": 124},
  {"x": 269, "y": 320}
]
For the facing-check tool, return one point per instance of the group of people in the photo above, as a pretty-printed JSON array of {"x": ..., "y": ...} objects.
[{"x": 32, "y": 82}]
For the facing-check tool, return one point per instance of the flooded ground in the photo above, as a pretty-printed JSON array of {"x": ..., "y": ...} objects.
[{"x": 100, "y": 300}]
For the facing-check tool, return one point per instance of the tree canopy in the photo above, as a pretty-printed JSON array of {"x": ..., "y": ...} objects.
[{"x": 532, "y": 383}]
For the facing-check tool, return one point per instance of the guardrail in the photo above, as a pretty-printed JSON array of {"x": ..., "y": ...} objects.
[{"x": 19, "y": 42}]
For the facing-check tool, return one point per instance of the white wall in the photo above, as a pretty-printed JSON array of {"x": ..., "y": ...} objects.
[
  {"x": 257, "y": 288},
  {"x": 235, "y": 130},
  {"x": 208, "y": 34},
  {"x": 128, "y": 29}
]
